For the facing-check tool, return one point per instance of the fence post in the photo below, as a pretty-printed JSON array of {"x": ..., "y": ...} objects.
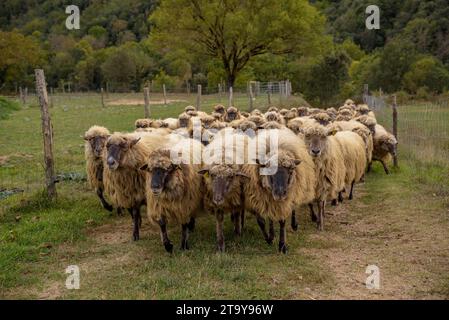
[
  {"x": 280, "y": 93},
  {"x": 188, "y": 87},
  {"x": 250, "y": 96},
  {"x": 25, "y": 96},
  {"x": 269, "y": 94},
  {"x": 102, "y": 97},
  {"x": 231, "y": 97},
  {"x": 146, "y": 96},
  {"x": 219, "y": 92},
  {"x": 165, "y": 94},
  {"x": 395, "y": 127},
  {"x": 47, "y": 132},
  {"x": 198, "y": 98},
  {"x": 21, "y": 94}
]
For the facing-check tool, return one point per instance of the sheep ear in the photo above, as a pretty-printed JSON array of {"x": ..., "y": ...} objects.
[
  {"x": 297, "y": 162},
  {"x": 134, "y": 141},
  {"x": 332, "y": 132},
  {"x": 144, "y": 167},
  {"x": 263, "y": 165},
  {"x": 86, "y": 138},
  {"x": 203, "y": 171}
]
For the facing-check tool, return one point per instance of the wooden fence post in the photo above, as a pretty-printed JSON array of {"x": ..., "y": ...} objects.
[
  {"x": 146, "y": 96},
  {"x": 250, "y": 96},
  {"x": 188, "y": 87},
  {"x": 219, "y": 92},
  {"x": 102, "y": 97},
  {"x": 269, "y": 94},
  {"x": 231, "y": 97},
  {"x": 165, "y": 94},
  {"x": 47, "y": 132},
  {"x": 198, "y": 98},
  {"x": 25, "y": 97},
  {"x": 280, "y": 93},
  {"x": 395, "y": 127}
]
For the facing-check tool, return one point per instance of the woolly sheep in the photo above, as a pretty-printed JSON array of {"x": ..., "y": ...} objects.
[
  {"x": 322, "y": 118},
  {"x": 95, "y": 142},
  {"x": 232, "y": 114},
  {"x": 273, "y": 197},
  {"x": 124, "y": 182},
  {"x": 223, "y": 159},
  {"x": 170, "y": 123},
  {"x": 330, "y": 170},
  {"x": 257, "y": 119},
  {"x": 274, "y": 116},
  {"x": 385, "y": 146},
  {"x": 174, "y": 190}
]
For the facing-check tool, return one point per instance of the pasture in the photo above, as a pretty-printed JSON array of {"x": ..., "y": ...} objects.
[{"x": 397, "y": 222}]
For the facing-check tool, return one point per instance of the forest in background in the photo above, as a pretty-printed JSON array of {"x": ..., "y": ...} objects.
[{"x": 119, "y": 45}]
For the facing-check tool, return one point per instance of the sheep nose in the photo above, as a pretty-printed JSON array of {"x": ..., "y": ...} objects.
[
  {"x": 315, "y": 152},
  {"x": 111, "y": 161}
]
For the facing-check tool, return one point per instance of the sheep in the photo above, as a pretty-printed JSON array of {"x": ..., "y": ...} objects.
[
  {"x": 369, "y": 122},
  {"x": 274, "y": 116},
  {"x": 361, "y": 130},
  {"x": 274, "y": 196},
  {"x": 217, "y": 116},
  {"x": 303, "y": 111},
  {"x": 256, "y": 112},
  {"x": 344, "y": 115},
  {"x": 143, "y": 123},
  {"x": 219, "y": 108},
  {"x": 244, "y": 114},
  {"x": 283, "y": 112},
  {"x": 223, "y": 160},
  {"x": 362, "y": 109},
  {"x": 259, "y": 120},
  {"x": 313, "y": 111},
  {"x": 298, "y": 124},
  {"x": 174, "y": 188},
  {"x": 95, "y": 141},
  {"x": 170, "y": 123},
  {"x": 184, "y": 120},
  {"x": 207, "y": 121},
  {"x": 330, "y": 170},
  {"x": 385, "y": 146},
  {"x": 332, "y": 112},
  {"x": 189, "y": 109},
  {"x": 354, "y": 154},
  {"x": 124, "y": 182},
  {"x": 290, "y": 115},
  {"x": 247, "y": 125},
  {"x": 272, "y": 125},
  {"x": 322, "y": 118},
  {"x": 232, "y": 114},
  {"x": 273, "y": 109}
]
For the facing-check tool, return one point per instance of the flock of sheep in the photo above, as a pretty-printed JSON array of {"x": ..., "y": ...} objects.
[{"x": 318, "y": 156}]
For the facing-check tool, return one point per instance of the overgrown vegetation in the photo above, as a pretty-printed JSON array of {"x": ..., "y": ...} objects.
[{"x": 7, "y": 107}]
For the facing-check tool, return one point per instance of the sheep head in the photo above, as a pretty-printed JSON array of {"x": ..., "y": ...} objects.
[
  {"x": 221, "y": 177},
  {"x": 322, "y": 118},
  {"x": 96, "y": 138},
  {"x": 280, "y": 182},
  {"x": 389, "y": 144},
  {"x": 219, "y": 108},
  {"x": 117, "y": 146},
  {"x": 231, "y": 114},
  {"x": 161, "y": 169},
  {"x": 184, "y": 120},
  {"x": 316, "y": 139}
]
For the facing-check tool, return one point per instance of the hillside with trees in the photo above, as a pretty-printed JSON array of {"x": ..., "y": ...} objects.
[{"x": 323, "y": 46}]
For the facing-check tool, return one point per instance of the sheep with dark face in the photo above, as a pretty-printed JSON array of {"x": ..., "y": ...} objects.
[
  {"x": 274, "y": 116},
  {"x": 303, "y": 111},
  {"x": 385, "y": 146},
  {"x": 223, "y": 159},
  {"x": 174, "y": 188},
  {"x": 274, "y": 196},
  {"x": 330, "y": 170},
  {"x": 143, "y": 123},
  {"x": 184, "y": 120},
  {"x": 95, "y": 142},
  {"x": 219, "y": 108},
  {"x": 322, "y": 118},
  {"x": 232, "y": 114},
  {"x": 124, "y": 182}
]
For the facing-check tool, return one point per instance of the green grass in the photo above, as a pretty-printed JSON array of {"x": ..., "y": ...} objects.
[
  {"x": 39, "y": 238},
  {"x": 7, "y": 106}
]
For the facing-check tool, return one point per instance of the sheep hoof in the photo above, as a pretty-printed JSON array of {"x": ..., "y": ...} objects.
[
  {"x": 269, "y": 241},
  {"x": 185, "y": 246},
  {"x": 108, "y": 207},
  {"x": 220, "y": 248},
  {"x": 295, "y": 227},
  {"x": 334, "y": 202},
  {"x": 136, "y": 237},
  {"x": 168, "y": 247},
  {"x": 282, "y": 247},
  {"x": 314, "y": 218}
]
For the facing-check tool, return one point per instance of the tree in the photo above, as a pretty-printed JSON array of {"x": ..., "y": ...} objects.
[
  {"x": 235, "y": 31},
  {"x": 427, "y": 72}
]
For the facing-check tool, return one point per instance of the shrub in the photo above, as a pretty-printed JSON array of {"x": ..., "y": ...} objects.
[{"x": 6, "y": 107}]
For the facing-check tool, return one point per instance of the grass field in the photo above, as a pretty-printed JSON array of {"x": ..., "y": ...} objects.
[{"x": 398, "y": 222}]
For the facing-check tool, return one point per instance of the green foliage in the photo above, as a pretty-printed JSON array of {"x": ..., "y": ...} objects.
[
  {"x": 236, "y": 31},
  {"x": 427, "y": 72},
  {"x": 6, "y": 107}
]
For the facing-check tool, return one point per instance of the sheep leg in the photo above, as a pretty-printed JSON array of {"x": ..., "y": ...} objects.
[
  {"x": 282, "y": 237},
  {"x": 119, "y": 211},
  {"x": 321, "y": 206},
  {"x": 369, "y": 167},
  {"x": 334, "y": 202},
  {"x": 185, "y": 237},
  {"x": 340, "y": 196},
  {"x": 261, "y": 223},
  {"x": 242, "y": 218},
  {"x": 312, "y": 213},
  {"x": 191, "y": 224},
  {"x": 385, "y": 167},
  {"x": 294, "y": 222},
  {"x": 164, "y": 236},
  {"x": 137, "y": 222},
  {"x": 103, "y": 201},
  {"x": 351, "y": 194},
  {"x": 237, "y": 224},
  {"x": 219, "y": 215},
  {"x": 271, "y": 231}
]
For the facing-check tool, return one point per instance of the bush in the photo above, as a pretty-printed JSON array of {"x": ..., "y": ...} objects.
[
  {"x": 426, "y": 72},
  {"x": 423, "y": 93},
  {"x": 6, "y": 107}
]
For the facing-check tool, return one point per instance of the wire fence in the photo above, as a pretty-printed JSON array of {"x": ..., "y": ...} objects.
[{"x": 423, "y": 131}]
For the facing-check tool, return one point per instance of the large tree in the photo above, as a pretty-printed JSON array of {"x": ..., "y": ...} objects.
[{"x": 234, "y": 31}]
